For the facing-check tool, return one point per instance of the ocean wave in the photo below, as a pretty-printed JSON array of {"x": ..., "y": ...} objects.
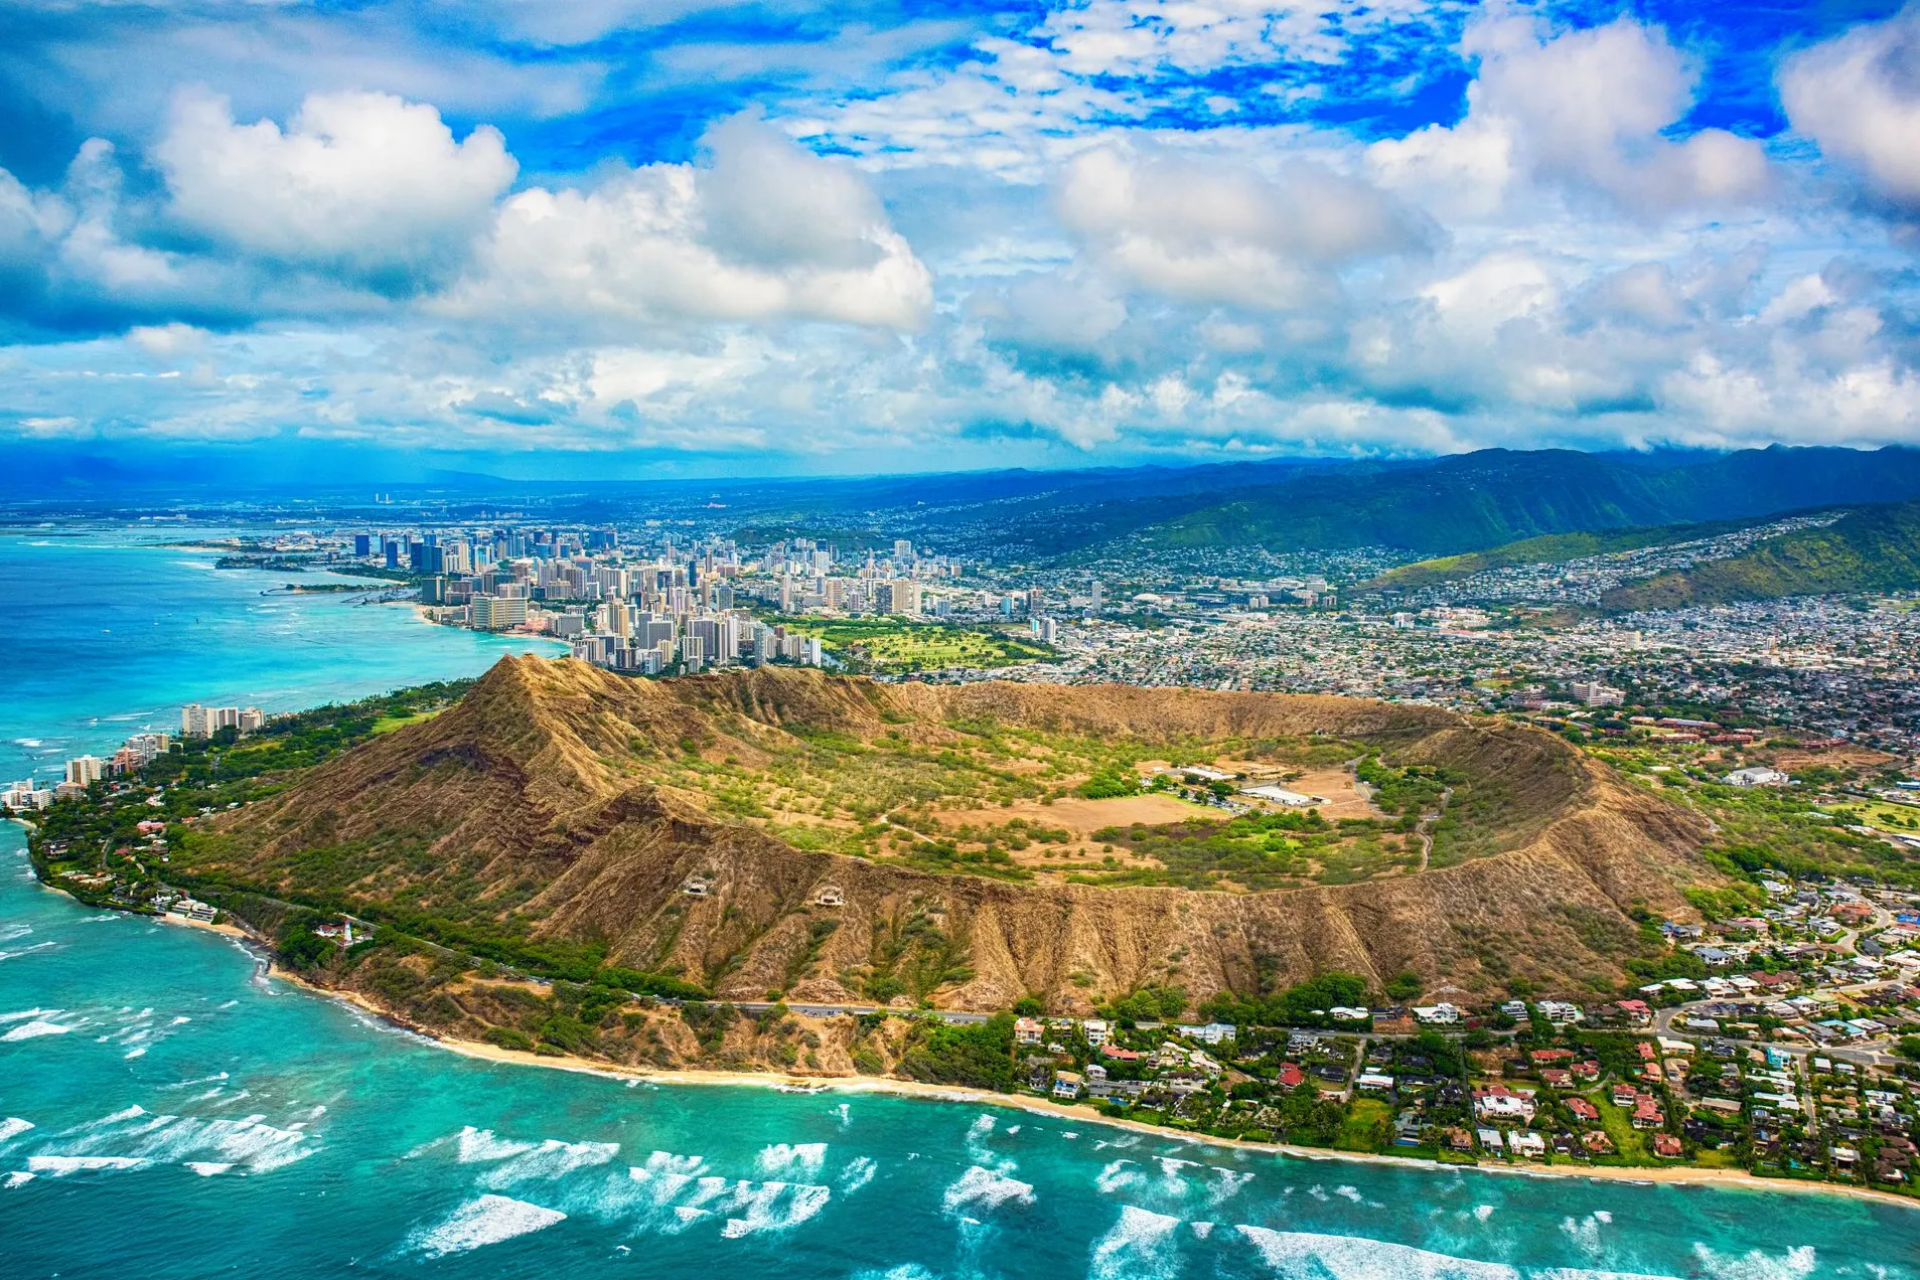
[
  {"x": 1227, "y": 1184},
  {"x": 19, "y": 1178},
  {"x": 9, "y": 933},
  {"x": 38, "y": 1027},
  {"x": 486, "y": 1220},
  {"x": 980, "y": 1153},
  {"x": 135, "y": 1134},
  {"x": 772, "y": 1206},
  {"x": 1140, "y": 1246},
  {"x": 1584, "y": 1233},
  {"x": 985, "y": 1188},
  {"x": 208, "y": 1168},
  {"x": 1307, "y": 1255},
  {"x": 799, "y": 1157},
  {"x": 60, "y": 1166},
  {"x": 1119, "y": 1175},
  {"x": 121, "y": 1116},
  {"x": 12, "y": 1127},
  {"x": 548, "y": 1160},
  {"x": 858, "y": 1173},
  {"x": 23, "y": 1014},
  {"x": 1757, "y": 1265},
  {"x": 477, "y": 1145},
  {"x": 27, "y": 951},
  {"x": 248, "y": 1142}
]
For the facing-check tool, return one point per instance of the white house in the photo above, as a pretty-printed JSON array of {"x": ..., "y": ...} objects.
[{"x": 1757, "y": 776}]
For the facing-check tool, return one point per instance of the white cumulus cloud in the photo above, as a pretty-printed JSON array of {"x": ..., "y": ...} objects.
[
  {"x": 362, "y": 181},
  {"x": 1213, "y": 232},
  {"x": 766, "y": 231},
  {"x": 1858, "y": 96}
]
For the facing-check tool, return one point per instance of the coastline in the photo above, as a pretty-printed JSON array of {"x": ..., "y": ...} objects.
[{"x": 1676, "y": 1175}]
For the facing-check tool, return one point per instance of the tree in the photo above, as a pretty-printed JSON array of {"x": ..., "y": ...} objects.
[{"x": 1405, "y": 985}]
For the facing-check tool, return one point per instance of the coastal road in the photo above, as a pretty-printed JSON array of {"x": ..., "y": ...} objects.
[{"x": 954, "y": 1016}]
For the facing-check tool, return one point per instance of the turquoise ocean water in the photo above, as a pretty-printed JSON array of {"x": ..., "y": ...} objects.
[{"x": 165, "y": 1111}]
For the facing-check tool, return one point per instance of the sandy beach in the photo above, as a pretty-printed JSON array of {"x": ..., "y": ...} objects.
[{"x": 1735, "y": 1179}]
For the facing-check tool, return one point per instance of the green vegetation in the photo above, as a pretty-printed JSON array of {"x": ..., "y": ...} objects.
[
  {"x": 979, "y": 1056},
  {"x": 1257, "y": 851},
  {"x": 896, "y": 646},
  {"x": 1868, "y": 549},
  {"x": 1304, "y": 1004},
  {"x": 1551, "y": 548}
]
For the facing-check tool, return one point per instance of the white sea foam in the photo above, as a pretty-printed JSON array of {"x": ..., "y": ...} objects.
[
  {"x": 985, "y": 1189},
  {"x": 549, "y": 1160},
  {"x": 1201, "y": 1229},
  {"x": 1138, "y": 1247},
  {"x": 1118, "y": 1176},
  {"x": 483, "y": 1221},
  {"x": 1757, "y": 1265},
  {"x": 208, "y": 1168},
  {"x": 1585, "y": 1232},
  {"x": 19, "y": 1178},
  {"x": 27, "y": 951},
  {"x": 983, "y": 1155},
  {"x": 12, "y": 1127},
  {"x": 8, "y": 932},
  {"x": 476, "y": 1145},
  {"x": 24, "y": 1014},
  {"x": 37, "y": 1028},
  {"x": 133, "y": 1112},
  {"x": 858, "y": 1173},
  {"x": 1349, "y": 1193},
  {"x": 800, "y": 1157},
  {"x": 672, "y": 1163},
  {"x": 1483, "y": 1211},
  {"x": 1227, "y": 1184},
  {"x": 249, "y": 1141},
  {"x": 61, "y": 1166},
  {"x": 772, "y": 1206},
  {"x": 843, "y": 1113},
  {"x": 1306, "y": 1255}
]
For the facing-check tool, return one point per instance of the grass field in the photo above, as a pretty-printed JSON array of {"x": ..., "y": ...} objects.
[
  {"x": 387, "y": 724},
  {"x": 1014, "y": 803},
  {"x": 896, "y": 646}
]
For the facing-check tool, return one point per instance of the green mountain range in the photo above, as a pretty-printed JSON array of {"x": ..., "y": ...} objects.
[
  {"x": 1551, "y": 548},
  {"x": 1496, "y": 497},
  {"x": 1869, "y": 549}
]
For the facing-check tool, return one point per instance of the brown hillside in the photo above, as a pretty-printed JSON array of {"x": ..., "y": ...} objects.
[{"x": 532, "y": 803}]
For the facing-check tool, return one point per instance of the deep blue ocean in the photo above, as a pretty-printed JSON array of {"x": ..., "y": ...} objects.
[{"x": 167, "y": 1111}]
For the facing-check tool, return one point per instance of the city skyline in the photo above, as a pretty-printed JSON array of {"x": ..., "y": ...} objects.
[{"x": 724, "y": 239}]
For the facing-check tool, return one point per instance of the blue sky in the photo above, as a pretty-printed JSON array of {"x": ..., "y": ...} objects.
[{"x": 616, "y": 237}]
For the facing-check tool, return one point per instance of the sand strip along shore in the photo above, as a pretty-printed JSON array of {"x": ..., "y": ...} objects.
[{"x": 1728, "y": 1179}]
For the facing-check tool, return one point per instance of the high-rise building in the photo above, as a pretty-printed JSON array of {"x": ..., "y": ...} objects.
[
  {"x": 362, "y": 545},
  {"x": 84, "y": 771},
  {"x": 195, "y": 721}
]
